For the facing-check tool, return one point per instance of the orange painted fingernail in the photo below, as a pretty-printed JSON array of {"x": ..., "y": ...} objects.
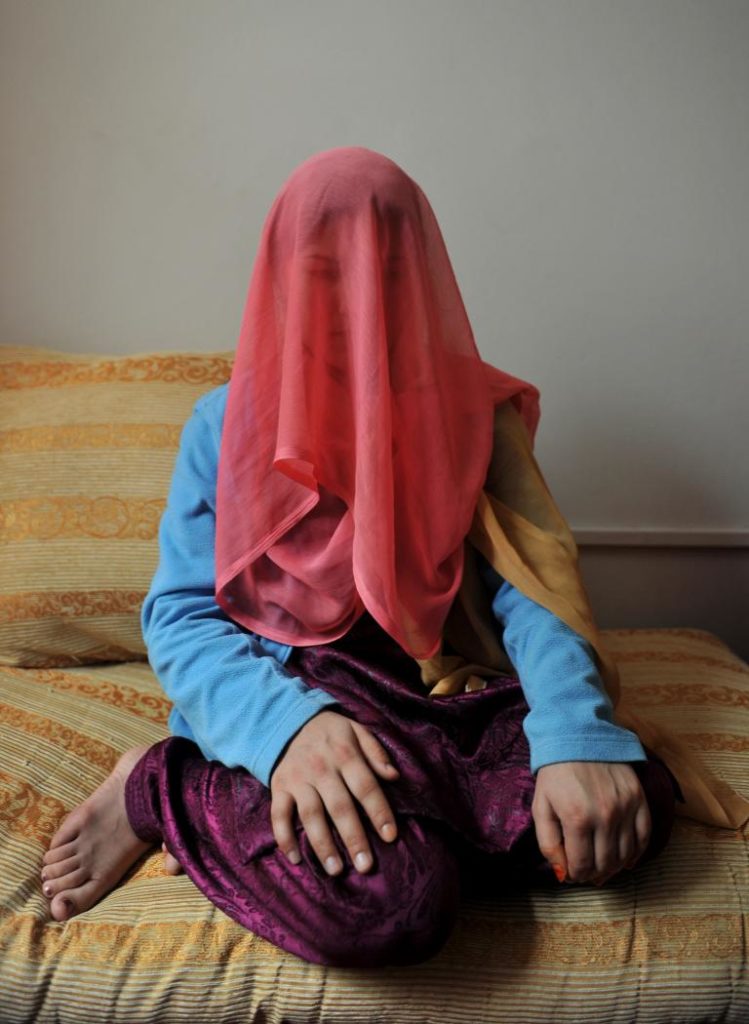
[{"x": 559, "y": 872}]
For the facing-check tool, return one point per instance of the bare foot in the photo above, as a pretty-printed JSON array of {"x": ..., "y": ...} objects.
[
  {"x": 94, "y": 846},
  {"x": 171, "y": 865}
]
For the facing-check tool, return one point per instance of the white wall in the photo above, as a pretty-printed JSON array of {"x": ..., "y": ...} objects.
[{"x": 587, "y": 160}]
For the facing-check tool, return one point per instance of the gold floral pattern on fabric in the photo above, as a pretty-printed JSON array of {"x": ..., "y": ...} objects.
[
  {"x": 87, "y": 462},
  {"x": 106, "y": 517},
  {"x": 27, "y": 812},
  {"x": 72, "y": 604},
  {"x": 93, "y": 751},
  {"x": 666, "y": 632},
  {"x": 719, "y": 741},
  {"x": 54, "y": 373},
  {"x": 169, "y": 943},
  {"x": 150, "y": 705},
  {"x": 197, "y": 942},
  {"x": 84, "y": 436},
  {"x": 677, "y": 658},
  {"x": 691, "y": 938},
  {"x": 660, "y": 694},
  {"x": 681, "y": 938}
]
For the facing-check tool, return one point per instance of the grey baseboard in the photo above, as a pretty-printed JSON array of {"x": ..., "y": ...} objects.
[
  {"x": 704, "y": 586},
  {"x": 660, "y": 537}
]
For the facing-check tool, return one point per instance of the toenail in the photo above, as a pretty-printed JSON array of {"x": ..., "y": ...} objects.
[
  {"x": 68, "y": 904},
  {"x": 47, "y": 890},
  {"x": 44, "y": 876}
]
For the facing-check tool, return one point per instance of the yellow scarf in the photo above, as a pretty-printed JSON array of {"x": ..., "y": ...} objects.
[{"x": 521, "y": 532}]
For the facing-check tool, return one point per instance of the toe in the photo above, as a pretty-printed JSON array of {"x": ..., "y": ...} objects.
[
  {"x": 53, "y": 887},
  {"x": 66, "y": 833},
  {"x": 62, "y": 907},
  {"x": 60, "y": 868},
  {"x": 59, "y": 853},
  {"x": 79, "y": 820},
  {"x": 171, "y": 865},
  {"x": 75, "y": 900}
]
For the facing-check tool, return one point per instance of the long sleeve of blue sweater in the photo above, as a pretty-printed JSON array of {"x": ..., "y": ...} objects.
[
  {"x": 231, "y": 693},
  {"x": 571, "y": 717},
  {"x": 231, "y": 690}
]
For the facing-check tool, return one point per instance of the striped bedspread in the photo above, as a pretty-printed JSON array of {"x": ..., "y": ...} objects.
[{"x": 666, "y": 943}]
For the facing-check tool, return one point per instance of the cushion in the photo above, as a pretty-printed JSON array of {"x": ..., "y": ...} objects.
[
  {"x": 666, "y": 942},
  {"x": 87, "y": 447}
]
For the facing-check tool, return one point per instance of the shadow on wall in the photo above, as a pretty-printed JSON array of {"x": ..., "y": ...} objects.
[
  {"x": 676, "y": 580},
  {"x": 697, "y": 587}
]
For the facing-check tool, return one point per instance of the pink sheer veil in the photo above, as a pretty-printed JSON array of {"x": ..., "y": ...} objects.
[{"x": 358, "y": 425}]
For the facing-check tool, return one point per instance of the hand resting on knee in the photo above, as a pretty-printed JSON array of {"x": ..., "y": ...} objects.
[
  {"x": 591, "y": 818},
  {"x": 330, "y": 760}
]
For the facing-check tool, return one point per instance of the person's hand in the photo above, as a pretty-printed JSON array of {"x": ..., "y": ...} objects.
[
  {"x": 591, "y": 817},
  {"x": 329, "y": 759}
]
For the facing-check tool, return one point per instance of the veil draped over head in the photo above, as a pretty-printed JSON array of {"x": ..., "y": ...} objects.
[
  {"x": 359, "y": 420},
  {"x": 368, "y": 452}
]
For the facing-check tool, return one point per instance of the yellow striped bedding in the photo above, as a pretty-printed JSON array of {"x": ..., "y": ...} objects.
[
  {"x": 87, "y": 448},
  {"x": 666, "y": 943}
]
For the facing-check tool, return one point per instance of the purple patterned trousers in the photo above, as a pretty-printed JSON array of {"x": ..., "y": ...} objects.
[{"x": 462, "y": 802}]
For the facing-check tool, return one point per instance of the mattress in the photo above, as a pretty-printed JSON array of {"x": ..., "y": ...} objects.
[{"x": 666, "y": 942}]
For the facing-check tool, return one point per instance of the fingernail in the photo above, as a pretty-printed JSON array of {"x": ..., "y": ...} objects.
[
  {"x": 559, "y": 872},
  {"x": 294, "y": 856},
  {"x": 389, "y": 767},
  {"x": 332, "y": 864},
  {"x": 361, "y": 860},
  {"x": 388, "y": 830}
]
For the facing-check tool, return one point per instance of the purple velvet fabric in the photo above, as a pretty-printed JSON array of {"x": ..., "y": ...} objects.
[{"x": 462, "y": 801}]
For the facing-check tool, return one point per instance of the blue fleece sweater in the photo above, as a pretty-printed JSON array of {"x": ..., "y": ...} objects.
[{"x": 235, "y": 698}]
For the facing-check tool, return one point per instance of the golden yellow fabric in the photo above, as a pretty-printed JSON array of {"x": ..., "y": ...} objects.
[
  {"x": 665, "y": 942},
  {"x": 87, "y": 448},
  {"x": 521, "y": 532}
]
